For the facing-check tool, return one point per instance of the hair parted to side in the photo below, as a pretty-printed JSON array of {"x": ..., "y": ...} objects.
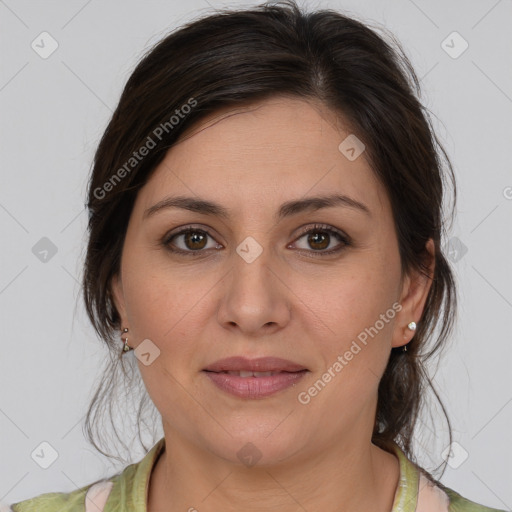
[{"x": 236, "y": 57}]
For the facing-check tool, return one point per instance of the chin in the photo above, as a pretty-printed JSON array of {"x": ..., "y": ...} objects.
[{"x": 257, "y": 445}]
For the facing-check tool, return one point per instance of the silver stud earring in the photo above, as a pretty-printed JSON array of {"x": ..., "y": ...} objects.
[{"x": 412, "y": 327}]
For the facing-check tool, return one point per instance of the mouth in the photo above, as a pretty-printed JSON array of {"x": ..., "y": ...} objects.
[{"x": 256, "y": 378}]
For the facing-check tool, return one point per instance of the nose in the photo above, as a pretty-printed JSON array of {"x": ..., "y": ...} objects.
[{"x": 254, "y": 297}]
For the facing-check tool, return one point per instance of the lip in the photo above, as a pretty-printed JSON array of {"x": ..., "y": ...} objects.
[
  {"x": 254, "y": 387},
  {"x": 261, "y": 364},
  {"x": 287, "y": 374}
]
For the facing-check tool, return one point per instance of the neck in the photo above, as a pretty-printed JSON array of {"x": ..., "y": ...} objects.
[{"x": 352, "y": 477}]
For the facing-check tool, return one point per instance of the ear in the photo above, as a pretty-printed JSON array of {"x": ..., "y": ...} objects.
[
  {"x": 118, "y": 297},
  {"x": 415, "y": 289}
]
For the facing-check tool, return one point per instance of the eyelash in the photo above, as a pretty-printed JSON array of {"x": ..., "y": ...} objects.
[{"x": 346, "y": 241}]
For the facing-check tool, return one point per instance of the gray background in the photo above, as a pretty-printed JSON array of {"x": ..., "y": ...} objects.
[{"x": 53, "y": 112}]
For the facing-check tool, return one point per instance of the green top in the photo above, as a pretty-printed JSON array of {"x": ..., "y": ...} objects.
[{"x": 127, "y": 491}]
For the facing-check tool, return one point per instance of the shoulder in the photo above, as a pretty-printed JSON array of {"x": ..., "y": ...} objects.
[
  {"x": 434, "y": 496},
  {"x": 92, "y": 497},
  {"x": 419, "y": 491},
  {"x": 125, "y": 490},
  {"x": 460, "y": 504}
]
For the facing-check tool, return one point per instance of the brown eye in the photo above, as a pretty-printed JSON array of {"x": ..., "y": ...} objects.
[
  {"x": 320, "y": 237},
  {"x": 194, "y": 240},
  {"x": 319, "y": 241},
  {"x": 188, "y": 241}
]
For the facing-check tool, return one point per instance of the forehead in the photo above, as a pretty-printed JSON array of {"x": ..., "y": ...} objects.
[
  {"x": 273, "y": 123},
  {"x": 282, "y": 147}
]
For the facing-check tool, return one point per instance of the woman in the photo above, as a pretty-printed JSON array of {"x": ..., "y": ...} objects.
[{"x": 264, "y": 235}]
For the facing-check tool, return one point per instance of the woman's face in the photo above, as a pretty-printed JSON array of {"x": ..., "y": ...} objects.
[{"x": 253, "y": 283}]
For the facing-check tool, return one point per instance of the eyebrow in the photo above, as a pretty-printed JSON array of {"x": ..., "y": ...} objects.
[{"x": 287, "y": 209}]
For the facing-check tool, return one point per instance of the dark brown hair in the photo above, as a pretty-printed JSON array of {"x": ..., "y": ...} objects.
[{"x": 235, "y": 57}]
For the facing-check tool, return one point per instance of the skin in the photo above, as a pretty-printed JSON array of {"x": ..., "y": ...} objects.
[{"x": 199, "y": 309}]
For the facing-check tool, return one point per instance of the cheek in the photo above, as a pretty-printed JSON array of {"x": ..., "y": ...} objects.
[
  {"x": 153, "y": 301},
  {"x": 161, "y": 310},
  {"x": 356, "y": 299},
  {"x": 360, "y": 320},
  {"x": 170, "y": 306}
]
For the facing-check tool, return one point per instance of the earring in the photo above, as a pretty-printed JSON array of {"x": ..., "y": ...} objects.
[
  {"x": 126, "y": 347},
  {"x": 412, "y": 327}
]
